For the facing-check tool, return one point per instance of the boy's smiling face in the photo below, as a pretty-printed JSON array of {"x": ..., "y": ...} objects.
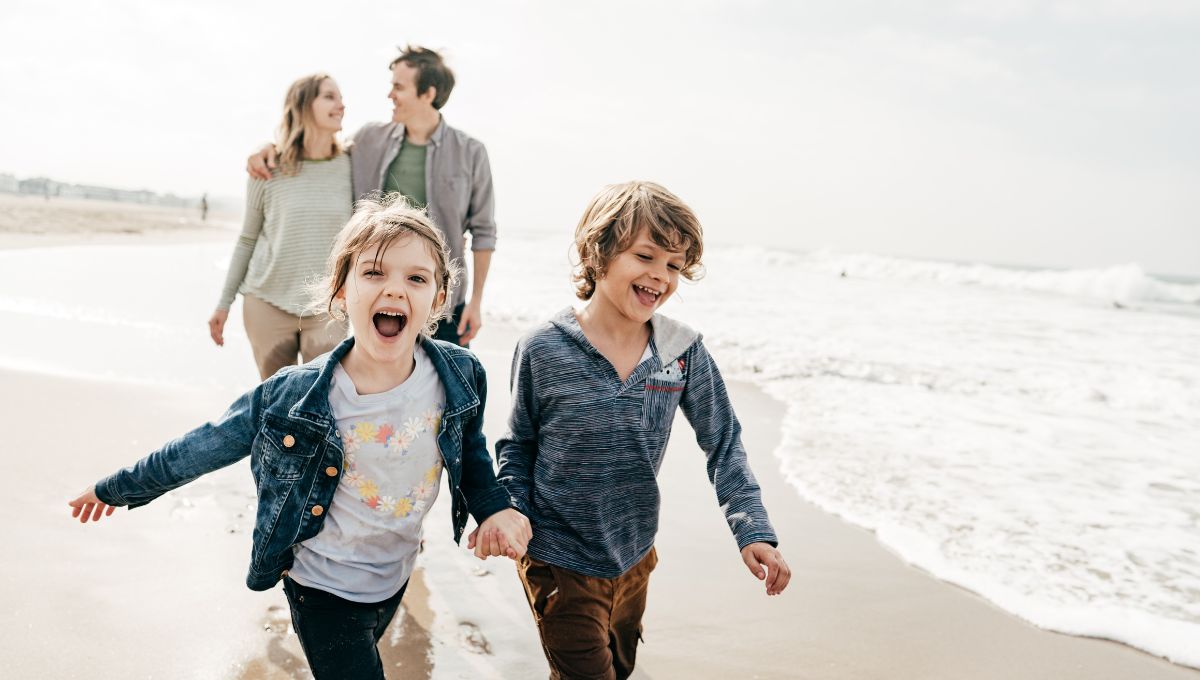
[
  {"x": 639, "y": 279},
  {"x": 389, "y": 298}
]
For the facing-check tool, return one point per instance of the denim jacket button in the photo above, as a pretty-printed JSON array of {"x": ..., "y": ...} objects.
[
  {"x": 289, "y": 441},
  {"x": 331, "y": 471},
  {"x": 317, "y": 510}
]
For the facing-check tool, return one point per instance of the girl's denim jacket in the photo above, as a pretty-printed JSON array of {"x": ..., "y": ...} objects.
[{"x": 287, "y": 429}]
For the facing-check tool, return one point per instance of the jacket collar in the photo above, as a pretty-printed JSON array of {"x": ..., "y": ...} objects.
[
  {"x": 460, "y": 397},
  {"x": 314, "y": 405},
  {"x": 435, "y": 139}
]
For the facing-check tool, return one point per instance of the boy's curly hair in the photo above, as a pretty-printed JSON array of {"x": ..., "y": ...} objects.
[{"x": 613, "y": 219}]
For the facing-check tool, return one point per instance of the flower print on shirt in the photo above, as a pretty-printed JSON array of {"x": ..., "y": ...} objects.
[
  {"x": 433, "y": 420},
  {"x": 365, "y": 431},
  {"x": 400, "y": 441},
  {"x": 423, "y": 489},
  {"x": 397, "y": 441},
  {"x": 403, "y": 507}
]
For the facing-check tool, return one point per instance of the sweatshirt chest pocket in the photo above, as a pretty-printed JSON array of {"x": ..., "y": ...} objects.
[
  {"x": 284, "y": 453},
  {"x": 659, "y": 402}
]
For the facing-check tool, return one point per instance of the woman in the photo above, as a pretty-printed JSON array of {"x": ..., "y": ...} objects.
[{"x": 289, "y": 228}]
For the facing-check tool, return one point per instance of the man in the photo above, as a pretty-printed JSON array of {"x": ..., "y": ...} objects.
[{"x": 435, "y": 166}]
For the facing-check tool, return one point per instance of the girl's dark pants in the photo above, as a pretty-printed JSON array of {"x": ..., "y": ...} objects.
[{"x": 339, "y": 637}]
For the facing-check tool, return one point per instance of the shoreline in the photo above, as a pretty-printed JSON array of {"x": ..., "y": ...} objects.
[{"x": 170, "y": 577}]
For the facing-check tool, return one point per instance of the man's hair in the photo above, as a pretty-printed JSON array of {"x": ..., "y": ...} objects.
[
  {"x": 431, "y": 72},
  {"x": 613, "y": 219},
  {"x": 376, "y": 224},
  {"x": 298, "y": 121}
]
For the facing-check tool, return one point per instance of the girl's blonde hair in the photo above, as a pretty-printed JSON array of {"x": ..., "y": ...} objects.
[
  {"x": 377, "y": 222},
  {"x": 297, "y": 121},
  {"x": 612, "y": 220}
]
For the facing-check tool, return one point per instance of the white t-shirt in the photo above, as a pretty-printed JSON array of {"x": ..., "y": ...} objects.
[{"x": 391, "y": 474}]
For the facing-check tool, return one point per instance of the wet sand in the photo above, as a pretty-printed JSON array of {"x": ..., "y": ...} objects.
[{"x": 159, "y": 592}]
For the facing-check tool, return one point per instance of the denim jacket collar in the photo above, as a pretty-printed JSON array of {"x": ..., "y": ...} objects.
[{"x": 314, "y": 405}]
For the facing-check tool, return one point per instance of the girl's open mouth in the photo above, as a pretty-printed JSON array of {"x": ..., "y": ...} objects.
[{"x": 389, "y": 324}]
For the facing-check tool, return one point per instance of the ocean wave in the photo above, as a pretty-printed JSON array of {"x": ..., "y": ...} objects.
[{"x": 1122, "y": 284}]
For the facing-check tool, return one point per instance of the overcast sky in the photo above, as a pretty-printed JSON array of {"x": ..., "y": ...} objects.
[{"x": 1041, "y": 133}]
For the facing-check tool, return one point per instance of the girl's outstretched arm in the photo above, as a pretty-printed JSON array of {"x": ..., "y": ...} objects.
[{"x": 87, "y": 506}]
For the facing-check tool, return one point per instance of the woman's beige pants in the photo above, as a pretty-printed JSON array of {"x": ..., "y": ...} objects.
[{"x": 277, "y": 337}]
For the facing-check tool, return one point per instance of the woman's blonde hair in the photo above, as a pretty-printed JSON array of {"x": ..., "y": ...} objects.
[
  {"x": 297, "y": 121},
  {"x": 378, "y": 222},
  {"x": 613, "y": 219}
]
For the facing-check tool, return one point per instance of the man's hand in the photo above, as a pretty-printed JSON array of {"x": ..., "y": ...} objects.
[
  {"x": 216, "y": 326},
  {"x": 472, "y": 321},
  {"x": 262, "y": 162},
  {"x": 505, "y": 533},
  {"x": 777, "y": 573},
  {"x": 87, "y": 506}
]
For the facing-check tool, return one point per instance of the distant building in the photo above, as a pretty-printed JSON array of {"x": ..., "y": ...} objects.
[{"x": 44, "y": 186}]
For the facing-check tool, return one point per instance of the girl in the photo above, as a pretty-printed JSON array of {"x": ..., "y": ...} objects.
[
  {"x": 289, "y": 227},
  {"x": 347, "y": 451}
]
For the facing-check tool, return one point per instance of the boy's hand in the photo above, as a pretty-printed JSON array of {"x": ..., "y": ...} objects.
[
  {"x": 261, "y": 162},
  {"x": 777, "y": 573},
  {"x": 505, "y": 533},
  {"x": 87, "y": 505}
]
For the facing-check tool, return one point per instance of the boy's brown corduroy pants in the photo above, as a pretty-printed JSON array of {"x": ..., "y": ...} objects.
[{"x": 590, "y": 626}]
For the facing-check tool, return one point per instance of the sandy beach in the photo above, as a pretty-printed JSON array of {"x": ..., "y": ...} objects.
[
  {"x": 159, "y": 592},
  {"x": 28, "y": 221}
]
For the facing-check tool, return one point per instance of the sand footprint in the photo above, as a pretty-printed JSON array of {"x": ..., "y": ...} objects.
[{"x": 473, "y": 639}]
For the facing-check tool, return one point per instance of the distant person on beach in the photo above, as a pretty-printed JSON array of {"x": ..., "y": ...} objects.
[
  {"x": 594, "y": 393},
  {"x": 348, "y": 451},
  {"x": 437, "y": 167},
  {"x": 289, "y": 227},
  {"x": 204, "y": 208}
]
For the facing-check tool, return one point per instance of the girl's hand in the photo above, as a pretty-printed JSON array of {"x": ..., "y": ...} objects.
[
  {"x": 504, "y": 534},
  {"x": 216, "y": 326},
  {"x": 87, "y": 505},
  {"x": 777, "y": 573}
]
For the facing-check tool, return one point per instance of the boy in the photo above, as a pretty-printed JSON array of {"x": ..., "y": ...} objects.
[{"x": 594, "y": 395}]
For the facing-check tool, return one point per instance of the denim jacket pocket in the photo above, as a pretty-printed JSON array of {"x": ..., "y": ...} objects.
[
  {"x": 286, "y": 451},
  {"x": 659, "y": 401}
]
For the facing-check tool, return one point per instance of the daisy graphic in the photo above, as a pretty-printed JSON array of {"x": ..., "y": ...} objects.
[
  {"x": 399, "y": 442},
  {"x": 353, "y": 478},
  {"x": 365, "y": 431},
  {"x": 433, "y": 418},
  {"x": 403, "y": 507},
  {"x": 349, "y": 443},
  {"x": 422, "y": 489},
  {"x": 386, "y": 504},
  {"x": 420, "y": 506},
  {"x": 431, "y": 474},
  {"x": 368, "y": 490},
  {"x": 413, "y": 427}
]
